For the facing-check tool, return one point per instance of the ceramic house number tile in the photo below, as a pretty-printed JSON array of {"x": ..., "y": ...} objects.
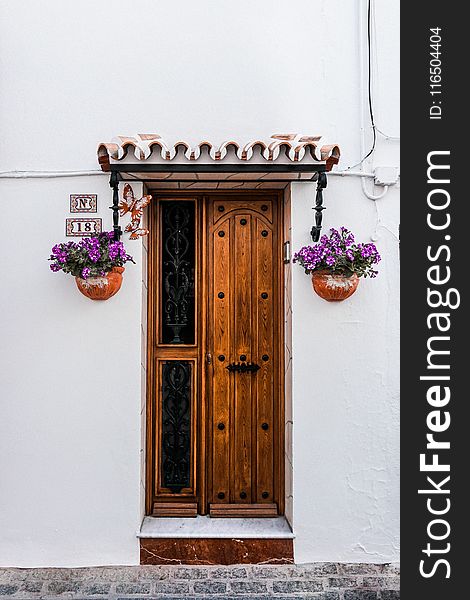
[
  {"x": 83, "y": 203},
  {"x": 79, "y": 227}
]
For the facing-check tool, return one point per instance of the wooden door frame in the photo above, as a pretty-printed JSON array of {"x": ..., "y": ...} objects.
[{"x": 202, "y": 315}]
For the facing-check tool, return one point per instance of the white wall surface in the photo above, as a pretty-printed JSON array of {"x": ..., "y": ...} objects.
[
  {"x": 74, "y": 74},
  {"x": 345, "y": 396},
  {"x": 70, "y": 396}
]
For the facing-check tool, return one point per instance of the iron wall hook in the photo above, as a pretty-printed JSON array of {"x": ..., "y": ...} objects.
[
  {"x": 319, "y": 208},
  {"x": 114, "y": 184}
]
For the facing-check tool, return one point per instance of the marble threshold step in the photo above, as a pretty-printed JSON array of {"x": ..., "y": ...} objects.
[{"x": 207, "y": 527}]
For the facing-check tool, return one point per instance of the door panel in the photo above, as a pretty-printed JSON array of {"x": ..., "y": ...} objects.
[
  {"x": 221, "y": 382},
  {"x": 263, "y": 338},
  {"x": 240, "y": 350},
  {"x": 173, "y": 363},
  {"x": 242, "y": 289}
]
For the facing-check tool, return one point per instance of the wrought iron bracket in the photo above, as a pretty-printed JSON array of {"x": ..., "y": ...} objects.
[
  {"x": 244, "y": 367},
  {"x": 114, "y": 184},
  {"x": 319, "y": 208}
]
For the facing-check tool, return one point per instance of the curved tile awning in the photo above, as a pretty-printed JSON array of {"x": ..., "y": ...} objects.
[{"x": 281, "y": 157}]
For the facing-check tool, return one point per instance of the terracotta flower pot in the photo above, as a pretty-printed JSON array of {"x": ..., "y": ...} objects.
[
  {"x": 101, "y": 288},
  {"x": 333, "y": 286}
]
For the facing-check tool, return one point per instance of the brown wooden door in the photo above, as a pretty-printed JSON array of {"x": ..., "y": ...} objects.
[
  {"x": 242, "y": 354},
  {"x": 215, "y": 434}
]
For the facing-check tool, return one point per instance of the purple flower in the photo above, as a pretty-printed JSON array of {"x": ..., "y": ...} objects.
[
  {"x": 59, "y": 253},
  {"x": 116, "y": 249},
  {"x": 113, "y": 250},
  {"x": 92, "y": 246},
  {"x": 330, "y": 261},
  {"x": 55, "y": 267},
  {"x": 85, "y": 272}
]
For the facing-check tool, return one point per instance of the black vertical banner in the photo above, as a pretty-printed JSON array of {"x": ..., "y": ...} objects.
[{"x": 435, "y": 267}]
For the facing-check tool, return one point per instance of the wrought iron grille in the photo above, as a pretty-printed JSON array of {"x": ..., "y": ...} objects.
[
  {"x": 176, "y": 425},
  {"x": 178, "y": 265}
]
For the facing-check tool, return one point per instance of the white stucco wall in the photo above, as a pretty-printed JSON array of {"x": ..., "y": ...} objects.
[
  {"x": 70, "y": 397},
  {"x": 345, "y": 397},
  {"x": 70, "y": 428}
]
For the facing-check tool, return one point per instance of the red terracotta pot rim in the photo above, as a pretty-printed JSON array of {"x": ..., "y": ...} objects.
[
  {"x": 333, "y": 273},
  {"x": 113, "y": 270}
]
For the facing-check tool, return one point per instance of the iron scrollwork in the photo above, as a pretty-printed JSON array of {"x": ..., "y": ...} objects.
[
  {"x": 176, "y": 425},
  {"x": 177, "y": 269},
  {"x": 318, "y": 208},
  {"x": 114, "y": 184}
]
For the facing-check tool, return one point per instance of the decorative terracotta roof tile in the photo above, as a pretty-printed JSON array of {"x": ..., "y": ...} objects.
[{"x": 285, "y": 148}]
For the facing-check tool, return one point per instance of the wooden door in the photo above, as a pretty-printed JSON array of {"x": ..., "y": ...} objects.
[
  {"x": 214, "y": 411},
  {"x": 242, "y": 356}
]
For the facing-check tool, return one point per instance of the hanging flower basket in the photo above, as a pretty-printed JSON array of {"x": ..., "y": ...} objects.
[
  {"x": 95, "y": 262},
  {"x": 336, "y": 263}
]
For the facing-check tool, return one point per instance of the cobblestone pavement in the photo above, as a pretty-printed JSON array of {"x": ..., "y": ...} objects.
[{"x": 318, "y": 581}]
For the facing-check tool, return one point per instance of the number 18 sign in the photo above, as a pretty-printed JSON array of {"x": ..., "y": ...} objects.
[{"x": 81, "y": 227}]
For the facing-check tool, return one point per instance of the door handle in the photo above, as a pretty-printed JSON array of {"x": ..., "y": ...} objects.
[
  {"x": 243, "y": 367},
  {"x": 209, "y": 358}
]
